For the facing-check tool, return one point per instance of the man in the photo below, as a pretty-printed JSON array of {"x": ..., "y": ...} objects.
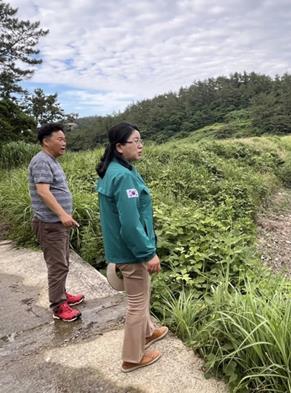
[{"x": 52, "y": 221}]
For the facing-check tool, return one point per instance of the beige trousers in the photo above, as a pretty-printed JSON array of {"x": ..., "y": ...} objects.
[{"x": 138, "y": 324}]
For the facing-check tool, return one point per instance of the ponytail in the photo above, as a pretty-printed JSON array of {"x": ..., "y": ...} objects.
[
  {"x": 116, "y": 134},
  {"x": 105, "y": 160},
  {"x": 107, "y": 157}
]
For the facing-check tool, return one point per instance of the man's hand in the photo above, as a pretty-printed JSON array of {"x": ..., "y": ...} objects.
[
  {"x": 153, "y": 265},
  {"x": 68, "y": 221}
]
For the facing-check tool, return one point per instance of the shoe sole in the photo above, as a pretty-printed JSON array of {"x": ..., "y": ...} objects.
[
  {"x": 74, "y": 304},
  {"x": 156, "y": 339},
  {"x": 128, "y": 370},
  {"x": 66, "y": 320}
]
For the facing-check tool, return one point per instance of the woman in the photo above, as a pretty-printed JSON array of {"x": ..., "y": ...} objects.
[{"x": 129, "y": 239}]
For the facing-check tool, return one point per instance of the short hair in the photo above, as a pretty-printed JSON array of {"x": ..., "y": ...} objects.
[{"x": 47, "y": 129}]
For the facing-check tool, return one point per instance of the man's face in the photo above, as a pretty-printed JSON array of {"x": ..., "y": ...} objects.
[{"x": 55, "y": 144}]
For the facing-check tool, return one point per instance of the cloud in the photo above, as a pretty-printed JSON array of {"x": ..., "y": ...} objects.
[
  {"x": 134, "y": 49},
  {"x": 94, "y": 103}
]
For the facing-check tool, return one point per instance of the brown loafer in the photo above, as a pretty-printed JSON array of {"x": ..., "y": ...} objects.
[
  {"x": 148, "y": 358},
  {"x": 158, "y": 334}
]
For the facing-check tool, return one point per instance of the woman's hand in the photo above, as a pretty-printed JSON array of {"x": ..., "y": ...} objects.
[{"x": 153, "y": 265}]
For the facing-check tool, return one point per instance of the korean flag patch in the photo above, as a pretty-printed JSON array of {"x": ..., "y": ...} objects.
[{"x": 132, "y": 193}]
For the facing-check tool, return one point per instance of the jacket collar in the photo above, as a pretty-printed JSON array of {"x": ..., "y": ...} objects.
[{"x": 122, "y": 162}]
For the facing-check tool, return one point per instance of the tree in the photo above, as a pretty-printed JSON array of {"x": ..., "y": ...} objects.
[
  {"x": 15, "y": 124},
  {"x": 270, "y": 112},
  {"x": 243, "y": 104},
  {"x": 18, "y": 39},
  {"x": 44, "y": 108},
  {"x": 71, "y": 121}
]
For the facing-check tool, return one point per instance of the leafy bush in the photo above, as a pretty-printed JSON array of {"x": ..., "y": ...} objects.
[
  {"x": 285, "y": 173},
  {"x": 208, "y": 182},
  {"x": 201, "y": 247}
]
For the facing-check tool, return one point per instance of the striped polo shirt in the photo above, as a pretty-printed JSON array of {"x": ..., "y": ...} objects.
[{"x": 44, "y": 168}]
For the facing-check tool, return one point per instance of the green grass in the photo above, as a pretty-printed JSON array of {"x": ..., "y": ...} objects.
[
  {"x": 236, "y": 124},
  {"x": 244, "y": 337},
  {"x": 16, "y": 154}
]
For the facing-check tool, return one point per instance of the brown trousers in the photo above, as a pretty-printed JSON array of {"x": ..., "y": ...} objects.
[
  {"x": 54, "y": 242},
  {"x": 138, "y": 324}
]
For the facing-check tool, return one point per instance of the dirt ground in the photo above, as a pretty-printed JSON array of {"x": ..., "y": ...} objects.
[{"x": 274, "y": 233}]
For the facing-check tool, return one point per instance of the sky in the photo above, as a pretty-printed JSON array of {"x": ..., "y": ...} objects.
[{"x": 101, "y": 56}]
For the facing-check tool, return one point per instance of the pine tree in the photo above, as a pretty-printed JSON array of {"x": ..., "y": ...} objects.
[
  {"x": 18, "y": 53},
  {"x": 43, "y": 108}
]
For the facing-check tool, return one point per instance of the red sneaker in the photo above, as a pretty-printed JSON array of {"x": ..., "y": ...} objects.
[
  {"x": 66, "y": 313},
  {"x": 74, "y": 299}
]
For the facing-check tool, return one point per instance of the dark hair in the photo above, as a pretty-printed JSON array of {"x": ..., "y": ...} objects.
[
  {"x": 47, "y": 129},
  {"x": 117, "y": 134}
]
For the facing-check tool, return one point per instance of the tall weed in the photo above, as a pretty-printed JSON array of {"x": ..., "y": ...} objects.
[
  {"x": 244, "y": 337},
  {"x": 16, "y": 154}
]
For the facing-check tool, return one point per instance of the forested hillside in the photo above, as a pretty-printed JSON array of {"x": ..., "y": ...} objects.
[{"x": 235, "y": 106}]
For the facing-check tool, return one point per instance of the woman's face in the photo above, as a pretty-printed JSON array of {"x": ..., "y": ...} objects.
[{"x": 132, "y": 149}]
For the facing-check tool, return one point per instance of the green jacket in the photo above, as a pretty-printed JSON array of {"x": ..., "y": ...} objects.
[{"x": 126, "y": 216}]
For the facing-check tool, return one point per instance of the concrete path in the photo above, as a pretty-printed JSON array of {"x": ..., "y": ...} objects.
[{"x": 41, "y": 355}]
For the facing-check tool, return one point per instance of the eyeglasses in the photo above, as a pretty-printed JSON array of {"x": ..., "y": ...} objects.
[{"x": 136, "y": 141}]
